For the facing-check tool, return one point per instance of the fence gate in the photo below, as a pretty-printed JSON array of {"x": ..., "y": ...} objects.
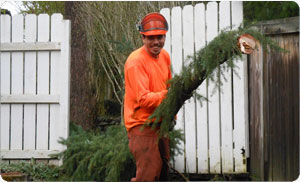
[
  {"x": 35, "y": 74},
  {"x": 215, "y": 132}
]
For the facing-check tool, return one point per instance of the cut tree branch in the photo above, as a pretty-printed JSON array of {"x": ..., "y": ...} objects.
[{"x": 227, "y": 46}]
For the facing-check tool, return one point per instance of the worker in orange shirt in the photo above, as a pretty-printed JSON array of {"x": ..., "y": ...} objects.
[{"x": 147, "y": 71}]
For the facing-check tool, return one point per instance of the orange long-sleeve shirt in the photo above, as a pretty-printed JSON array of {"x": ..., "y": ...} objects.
[{"x": 145, "y": 85}]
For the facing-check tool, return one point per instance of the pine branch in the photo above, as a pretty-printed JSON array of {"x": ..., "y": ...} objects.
[{"x": 223, "y": 48}]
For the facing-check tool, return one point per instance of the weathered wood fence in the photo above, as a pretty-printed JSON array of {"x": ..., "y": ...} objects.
[
  {"x": 35, "y": 74},
  {"x": 216, "y": 138},
  {"x": 274, "y": 104}
]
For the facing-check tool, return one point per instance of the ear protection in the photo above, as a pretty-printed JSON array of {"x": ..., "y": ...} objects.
[{"x": 153, "y": 21}]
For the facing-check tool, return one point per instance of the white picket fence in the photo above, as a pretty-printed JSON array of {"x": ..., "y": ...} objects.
[
  {"x": 215, "y": 133},
  {"x": 35, "y": 75}
]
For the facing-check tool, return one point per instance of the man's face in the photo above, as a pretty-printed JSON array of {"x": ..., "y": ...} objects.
[{"x": 154, "y": 44}]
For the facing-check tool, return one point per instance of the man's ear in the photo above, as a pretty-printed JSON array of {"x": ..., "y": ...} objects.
[{"x": 143, "y": 37}]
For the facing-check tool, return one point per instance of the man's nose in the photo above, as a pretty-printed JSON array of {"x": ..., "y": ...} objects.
[{"x": 155, "y": 40}]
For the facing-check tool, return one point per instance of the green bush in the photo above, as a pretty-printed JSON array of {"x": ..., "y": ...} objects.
[
  {"x": 35, "y": 171},
  {"x": 101, "y": 156}
]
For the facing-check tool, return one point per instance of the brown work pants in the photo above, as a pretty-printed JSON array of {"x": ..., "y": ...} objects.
[{"x": 151, "y": 155}]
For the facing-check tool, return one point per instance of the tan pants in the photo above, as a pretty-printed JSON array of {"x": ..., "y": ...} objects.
[{"x": 150, "y": 154}]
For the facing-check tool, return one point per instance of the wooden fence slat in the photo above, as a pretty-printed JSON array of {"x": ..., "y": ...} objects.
[
  {"x": 226, "y": 99},
  {"x": 43, "y": 83},
  {"x": 30, "y": 46},
  {"x": 202, "y": 134},
  {"x": 176, "y": 40},
  {"x": 29, "y": 99},
  {"x": 166, "y": 13},
  {"x": 57, "y": 125},
  {"x": 17, "y": 83},
  {"x": 213, "y": 106},
  {"x": 190, "y": 120},
  {"x": 240, "y": 120},
  {"x": 5, "y": 83},
  {"x": 65, "y": 75},
  {"x": 30, "y": 83},
  {"x": 27, "y": 154}
]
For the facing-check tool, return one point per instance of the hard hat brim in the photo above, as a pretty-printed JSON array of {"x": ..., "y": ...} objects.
[{"x": 154, "y": 32}]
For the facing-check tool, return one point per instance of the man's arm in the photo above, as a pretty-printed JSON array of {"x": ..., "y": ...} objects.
[{"x": 139, "y": 83}]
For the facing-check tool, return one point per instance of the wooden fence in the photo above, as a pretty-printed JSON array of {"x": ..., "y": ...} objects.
[
  {"x": 35, "y": 74},
  {"x": 215, "y": 132},
  {"x": 274, "y": 104}
]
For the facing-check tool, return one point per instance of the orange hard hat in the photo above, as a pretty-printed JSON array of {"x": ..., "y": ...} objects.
[{"x": 153, "y": 24}]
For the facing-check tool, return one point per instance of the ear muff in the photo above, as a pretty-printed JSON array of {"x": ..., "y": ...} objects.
[
  {"x": 153, "y": 21},
  {"x": 140, "y": 27}
]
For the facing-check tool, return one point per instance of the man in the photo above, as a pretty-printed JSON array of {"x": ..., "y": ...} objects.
[{"x": 147, "y": 71}]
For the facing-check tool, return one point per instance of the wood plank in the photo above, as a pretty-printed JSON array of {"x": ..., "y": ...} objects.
[
  {"x": 5, "y": 125},
  {"x": 190, "y": 120},
  {"x": 56, "y": 124},
  {"x": 4, "y": 161},
  {"x": 201, "y": 106},
  {"x": 166, "y": 13},
  {"x": 226, "y": 99},
  {"x": 27, "y": 154},
  {"x": 54, "y": 162},
  {"x": 65, "y": 71},
  {"x": 30, "y": 99},
  {"x": 32, "y": 46},
  {"x": 240, "y": 120},
  {"x": 278, "y": 26},
  {"x": 42, "y": 161},
  {"x": 255, "y": 82},
  {"x": 176, "y": 54},
  {"x": 17, "y": 84},
  {"x": 29, "y": 83},
  {"x": 43, "y": 83},
  {"x": 213, "y": 106},
  {"x": 5, "y": 84}
]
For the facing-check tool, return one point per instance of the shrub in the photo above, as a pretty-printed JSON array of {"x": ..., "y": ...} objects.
[{"x": 101, "y": 156}]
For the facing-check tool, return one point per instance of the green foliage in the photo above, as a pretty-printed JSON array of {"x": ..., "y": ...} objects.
[
  {"x": 269, "y": 10},
  {"x": 97, "y": 157},
  {"x": 35, "y": 171},
  {"x": 176, "y": 137},
  {"x": 5, "y": 12},
  {"x": 101, "y": 156},
  {"x": 222, "y": 48},
  {"x": 38, "y": 7}
]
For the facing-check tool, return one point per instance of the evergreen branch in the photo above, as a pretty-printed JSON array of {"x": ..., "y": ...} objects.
[{"x": 221, "y": 49}]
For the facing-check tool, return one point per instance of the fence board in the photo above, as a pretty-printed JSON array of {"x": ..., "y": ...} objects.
[
  {"x": 29, "y": 99},
  {"x": 17, "y": 84},
  {"x": 43, "y": 83},
  {"x": 33, "y": 46},
  {"x": 176, "y": 54},
  {"x": 5, "y": 83},
  {"x": 213, "y": 96},
  {"x": 30, "y": 83},
  {"x": 166, "y": 13},
  {"x": 202, "y": 122},
  {"x": 239, "y": 134},
  {"x": 65, "y": 75},
  {"x": 56, "y": 125},
  {"x": 27, "y": 154},
  {"x": 190, "y": 126},
  {"x": 226, "y": 100}
]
